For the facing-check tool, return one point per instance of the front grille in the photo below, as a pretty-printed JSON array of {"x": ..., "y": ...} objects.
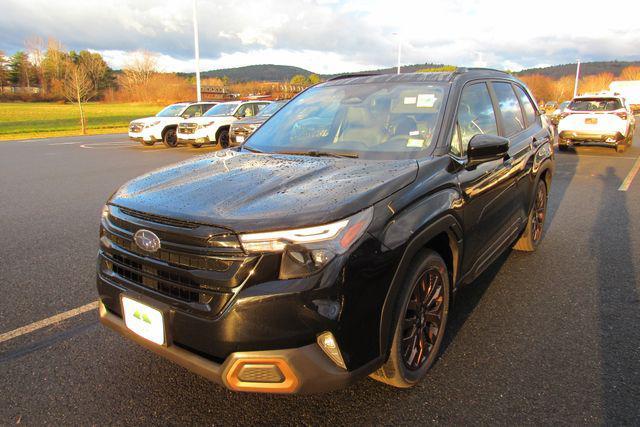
[
  {"x": 187, "y": 128},
  {"x": 196, "y": 265},
  {"x": 175, "y": 286},
  {"x": 136, "y": 127},
  {"x": 157, "y": 218}
]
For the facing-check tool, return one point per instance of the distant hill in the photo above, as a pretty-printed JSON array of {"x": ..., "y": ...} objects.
[
  {"x": 586, "y": 69},
  {"x": 284, "y": 73},
  {"x": 263, "y": 72}
]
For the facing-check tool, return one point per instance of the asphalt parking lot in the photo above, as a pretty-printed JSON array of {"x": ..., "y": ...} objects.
[{"x": 546, "y": 338}]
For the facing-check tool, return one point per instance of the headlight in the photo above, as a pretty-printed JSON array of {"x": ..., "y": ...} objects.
[
  {"x": 152, "y": 124},
  {"x": 204, "y": 125},
  {"x": 306, "y": 251}
]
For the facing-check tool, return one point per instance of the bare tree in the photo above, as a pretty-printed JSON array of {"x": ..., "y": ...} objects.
[
  {"x": 36, "y": 48},
  {"x": 78, "y": 88},
  {"x": 4, "y": 72},
  {"x": 142, "y": 65},
  {"x": 631, "y": 72}
]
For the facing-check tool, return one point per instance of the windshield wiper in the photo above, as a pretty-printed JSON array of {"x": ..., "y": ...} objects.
[
  {"x": 315, "y": 153},
  {"x": 253, "y": 150}
]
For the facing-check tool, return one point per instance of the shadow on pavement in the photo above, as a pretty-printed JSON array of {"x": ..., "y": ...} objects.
[{"x": 619, "y": 306}]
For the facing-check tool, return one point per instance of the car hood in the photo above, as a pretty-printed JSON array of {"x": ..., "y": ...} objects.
[
  {"x": 204, "y": 119},
  {"x": 147, "y": 120},
  {"x": 254, "y": 192},
  {"x": 255, "y": 120}
]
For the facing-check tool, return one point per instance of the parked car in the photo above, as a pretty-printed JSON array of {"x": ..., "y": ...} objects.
[
  {"x": 240, "y": 130},
  {"x": 550, "y": 106},
  {"x": 329, "y": 246},
  {"x": 555, "y": 116},
  {"x": 213, "y": 126},
  {"x": 630, "y": 91},
  {"x": 162, "y": 126},
  {"x": 596, "y": 119}
]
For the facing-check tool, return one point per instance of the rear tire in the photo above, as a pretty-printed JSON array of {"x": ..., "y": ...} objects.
[
  {"x": 534, "y": 230},
  {"x": 562, "y": 147},
  {"x": 169, "y": 138},
  {"x": 422, "y": 310}
]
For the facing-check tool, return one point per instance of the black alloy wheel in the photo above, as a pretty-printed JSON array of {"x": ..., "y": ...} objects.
[
  {"x": 422, "y": 324},
  {"x": 539, "y": 213},
  {"x": 169, "y": 138}
]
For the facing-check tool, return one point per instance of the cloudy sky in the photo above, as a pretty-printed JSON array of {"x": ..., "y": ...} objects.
[{"x": 330, "y": 36}]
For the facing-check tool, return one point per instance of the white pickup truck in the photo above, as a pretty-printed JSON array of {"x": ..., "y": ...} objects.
[
  {"x": 213, "y": 126},
  {"x": 162, "y": 126}
]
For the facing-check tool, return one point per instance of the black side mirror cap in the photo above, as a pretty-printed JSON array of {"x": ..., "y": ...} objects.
[{"x": 486, "y": 148}]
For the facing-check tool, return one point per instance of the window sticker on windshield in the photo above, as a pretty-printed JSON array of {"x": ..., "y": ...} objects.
[
  {"x": 426, "y": 100},
  {"x": 414, "y": 133},
  {"x": 409, "y": 99},
  {"x": 415, "y": 142}
]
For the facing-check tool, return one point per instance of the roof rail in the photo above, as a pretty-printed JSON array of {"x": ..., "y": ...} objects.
[{"x": 351, "y": 75}]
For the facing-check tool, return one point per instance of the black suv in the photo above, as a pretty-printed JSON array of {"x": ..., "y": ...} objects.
[{"x": 329, "y": 245}]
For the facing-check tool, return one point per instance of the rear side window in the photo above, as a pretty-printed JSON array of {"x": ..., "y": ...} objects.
[
  {"x": 475, "y": 116},
  {"x": 596, "y": 104},
  {"x": 529, "y": 111},
  {"x": 510, "y": 108}
]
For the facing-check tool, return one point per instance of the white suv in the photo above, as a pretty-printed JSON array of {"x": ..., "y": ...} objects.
[
  {"x": 162, "y": 126},
  {"x": 599, "y": 119},
  {"x": 213, "y": 126}
]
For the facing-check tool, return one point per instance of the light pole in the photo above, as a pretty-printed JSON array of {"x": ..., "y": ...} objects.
[
  {"x": 399, "y": 49},
  {"x": 575, "y": 87},
  {"x": 197, "y": 49}
]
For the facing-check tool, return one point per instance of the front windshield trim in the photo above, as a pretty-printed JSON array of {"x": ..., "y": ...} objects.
[
  {"x": 441, "y": 89},
  {"x": 221, "y": 107},
  {"x": 171, "y": 107}
]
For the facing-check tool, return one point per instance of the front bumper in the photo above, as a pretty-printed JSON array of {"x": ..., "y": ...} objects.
[
  {"x": 302, "y": 370},
  {"x": 146, "y": 135}
]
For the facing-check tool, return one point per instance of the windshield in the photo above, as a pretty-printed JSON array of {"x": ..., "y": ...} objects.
[
  {"x": 270, "y": 109},
  {"x": 171, "y": 111},
  {"x": 372, "y": 120},
  {"x": 595, "y": 104},
  {"x": 222, "y": 110}
]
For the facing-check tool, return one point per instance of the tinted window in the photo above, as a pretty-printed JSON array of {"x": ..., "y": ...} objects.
[
  {"x": 527, "y": 106},
  {"x": 510, "y": 108},
  {"x": 475, "y": 116},
  {"x": 596, "y": 104},
  {"x": 373, "y": 120}
]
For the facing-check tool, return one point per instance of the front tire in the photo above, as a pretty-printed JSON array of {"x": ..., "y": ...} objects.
[
  {"x": 169, "y": 138},
  {"x": 422, "y": 312},
  {"x": 532, "y": 234},
  {"x": 223, "y": 138}
]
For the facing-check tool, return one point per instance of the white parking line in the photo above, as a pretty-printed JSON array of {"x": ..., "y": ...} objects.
[
  {"x": 632, "y": 173},
  {"x": 47, "y": 322}
]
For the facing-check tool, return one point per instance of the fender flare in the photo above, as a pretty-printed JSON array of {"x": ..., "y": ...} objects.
[{"x": 446, "y": 223}]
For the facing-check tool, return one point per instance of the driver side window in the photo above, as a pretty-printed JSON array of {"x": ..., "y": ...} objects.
[
  {"x": 191, "y": 111},
  {"x": 475, "y": 116}
]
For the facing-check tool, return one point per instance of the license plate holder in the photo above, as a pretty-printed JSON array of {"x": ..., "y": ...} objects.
[{"x": 144, "y": 320}]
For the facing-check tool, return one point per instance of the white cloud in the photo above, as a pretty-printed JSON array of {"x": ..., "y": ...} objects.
[{"x": 332, "y": 35}]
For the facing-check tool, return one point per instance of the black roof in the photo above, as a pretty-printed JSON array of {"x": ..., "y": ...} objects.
[{"x": 439, "y": 76}]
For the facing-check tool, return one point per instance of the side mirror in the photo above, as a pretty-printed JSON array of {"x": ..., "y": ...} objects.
[{"x": 486, "y": 148}]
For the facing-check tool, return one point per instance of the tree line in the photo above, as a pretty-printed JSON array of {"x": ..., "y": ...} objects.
[{"x": 560, "y": 89}]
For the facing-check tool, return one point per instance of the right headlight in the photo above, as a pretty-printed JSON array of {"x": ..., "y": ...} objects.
[{"x": 306, "y": 251}]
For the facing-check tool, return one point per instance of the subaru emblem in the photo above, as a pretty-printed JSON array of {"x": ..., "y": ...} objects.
[{"x": 147, "y": 240}]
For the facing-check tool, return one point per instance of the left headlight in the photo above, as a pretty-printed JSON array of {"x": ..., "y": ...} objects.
[
  {"x": 306, "y": 251},
  {"x": 152, "y": 124}
]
